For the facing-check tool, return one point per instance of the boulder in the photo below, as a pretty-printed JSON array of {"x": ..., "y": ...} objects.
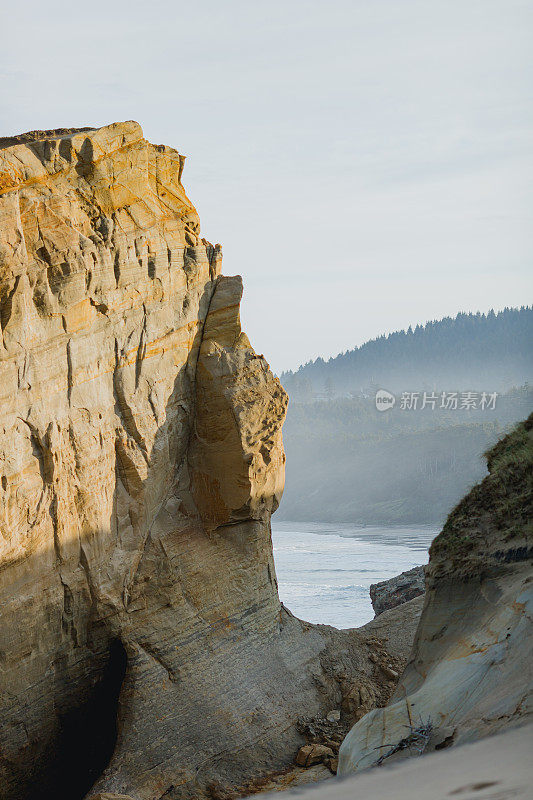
[{"x": 311, "y": 754}]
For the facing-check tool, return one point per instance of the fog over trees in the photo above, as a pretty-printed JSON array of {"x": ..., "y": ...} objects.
[
  {"x": 470, "y": 351},
  {"x": 458, "y": 385}
]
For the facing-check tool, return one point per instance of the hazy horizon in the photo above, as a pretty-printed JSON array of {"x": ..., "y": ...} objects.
[{"x": 366, "y": 166}]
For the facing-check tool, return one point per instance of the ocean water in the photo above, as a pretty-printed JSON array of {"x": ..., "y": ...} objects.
[{"x": 324, "y": 570}]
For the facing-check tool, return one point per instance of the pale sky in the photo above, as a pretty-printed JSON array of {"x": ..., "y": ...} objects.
[{"x": 366, "y": 164}]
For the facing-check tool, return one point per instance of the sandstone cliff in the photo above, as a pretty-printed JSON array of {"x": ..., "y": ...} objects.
[
  {"x": 142, "y": 642},
  {"x": 470, "y": 673}
]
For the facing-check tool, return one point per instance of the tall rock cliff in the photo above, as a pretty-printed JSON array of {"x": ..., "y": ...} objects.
[
  {"x": 470, "y": 673},
  {"x": 142, "y": 642}
]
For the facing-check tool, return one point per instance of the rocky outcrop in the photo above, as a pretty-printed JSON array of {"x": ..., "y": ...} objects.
[
  {"x": 395, "y": 591},
  {"x": 496, "y": 768},
  {"x": 143, "y": 647},
  {"x": 470, "y": 673}
]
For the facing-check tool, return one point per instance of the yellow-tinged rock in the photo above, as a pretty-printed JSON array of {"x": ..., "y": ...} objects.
[{"x": 140, "y": 460}]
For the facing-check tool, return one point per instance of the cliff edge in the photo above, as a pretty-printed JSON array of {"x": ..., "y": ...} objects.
[{"x": 143, "y": 647}]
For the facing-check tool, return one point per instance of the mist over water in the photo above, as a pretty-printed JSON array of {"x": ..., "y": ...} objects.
[{"x": 324, "y": 570}]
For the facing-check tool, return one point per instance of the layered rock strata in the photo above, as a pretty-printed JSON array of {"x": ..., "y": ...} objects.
[
  {"x": 143, "y": 647},
  {"x": 470, "y": 673}
]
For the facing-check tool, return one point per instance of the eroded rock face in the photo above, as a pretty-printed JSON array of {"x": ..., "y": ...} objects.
[
  {"x": 140, "y": 460},
  {"x": 470, "y": 673},
  {"x": 400, "y": 589}
]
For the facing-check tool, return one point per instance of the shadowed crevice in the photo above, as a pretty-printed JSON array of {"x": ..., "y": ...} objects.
[{"x": 87, "y": 736}]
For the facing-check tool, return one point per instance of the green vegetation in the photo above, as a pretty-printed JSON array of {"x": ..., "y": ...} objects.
[
  {"x": 502, "y": 505},
  {"x": 491, "y": 351}
]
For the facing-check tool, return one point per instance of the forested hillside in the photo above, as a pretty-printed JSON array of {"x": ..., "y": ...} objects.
[
  {"x": 471, "y": 351},
  {"x": 348, "y": 462}
]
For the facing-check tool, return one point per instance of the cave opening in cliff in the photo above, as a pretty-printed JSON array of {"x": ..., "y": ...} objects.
[{"x": 87, "y": 736}]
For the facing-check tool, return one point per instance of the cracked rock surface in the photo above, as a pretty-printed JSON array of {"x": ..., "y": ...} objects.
[{"x": 144, "y": 652}]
